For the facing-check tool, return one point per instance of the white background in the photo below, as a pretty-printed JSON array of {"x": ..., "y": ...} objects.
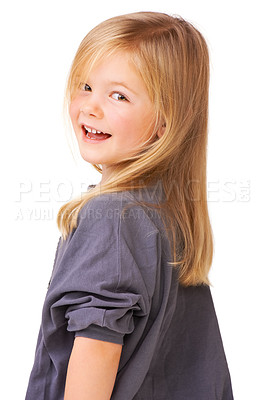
[{"x": 38, "y": 43}]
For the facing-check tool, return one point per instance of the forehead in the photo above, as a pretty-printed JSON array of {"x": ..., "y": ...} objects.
[{"x": 116, "y": 67}]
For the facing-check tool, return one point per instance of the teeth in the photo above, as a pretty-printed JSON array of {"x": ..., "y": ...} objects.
[{"x": 91, "y": 130}]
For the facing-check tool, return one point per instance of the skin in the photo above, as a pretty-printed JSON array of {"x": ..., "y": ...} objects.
[
  {"x": 92, "y": 369},
  {"x": 126, "y": 113}
]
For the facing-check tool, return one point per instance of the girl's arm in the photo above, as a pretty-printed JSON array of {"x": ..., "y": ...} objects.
[{"x": 92, "y": 369}]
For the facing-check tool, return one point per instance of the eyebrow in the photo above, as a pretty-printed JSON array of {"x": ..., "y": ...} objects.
[{"x": 122, "y": 84}]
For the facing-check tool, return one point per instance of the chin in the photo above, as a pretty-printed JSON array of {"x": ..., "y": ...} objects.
[{"x": 90, "y": 159}]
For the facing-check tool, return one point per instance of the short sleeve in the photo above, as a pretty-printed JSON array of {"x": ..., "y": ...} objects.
[{"x": 106, "y": 272}]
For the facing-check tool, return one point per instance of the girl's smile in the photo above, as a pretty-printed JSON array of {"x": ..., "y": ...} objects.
[
  {"x": 113, "y": 111},
  {"x": 92, "y": 134}
]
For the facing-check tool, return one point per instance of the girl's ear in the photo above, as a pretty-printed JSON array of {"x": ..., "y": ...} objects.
[{"x": 161, "y": 130}]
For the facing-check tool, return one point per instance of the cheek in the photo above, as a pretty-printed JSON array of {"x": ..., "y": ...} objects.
[
  {"x": 134, "y": 127},
  {"x": 74, "y": 111},
  {"x": 144, "y": 123},
  {"x": 122, "y": 124}
]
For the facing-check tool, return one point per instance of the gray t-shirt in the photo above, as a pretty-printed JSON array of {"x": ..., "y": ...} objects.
[{"x": 111, "y": 281}]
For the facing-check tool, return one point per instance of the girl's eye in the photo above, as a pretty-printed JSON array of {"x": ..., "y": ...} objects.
[
  {"x": 85, "y": 87},
  {"x": 119, "y": 96}
]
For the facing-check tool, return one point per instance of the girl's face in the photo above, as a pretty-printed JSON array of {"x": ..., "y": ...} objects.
[{"x": 115, "y": 101}]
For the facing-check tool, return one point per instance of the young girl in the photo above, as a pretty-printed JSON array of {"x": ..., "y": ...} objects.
[{"x": 128, "y": 313}]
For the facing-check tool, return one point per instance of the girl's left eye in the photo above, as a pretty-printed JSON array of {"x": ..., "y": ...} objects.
[
  {"x": 85, "y": 87},
  {"x": 119, "y": 96}
]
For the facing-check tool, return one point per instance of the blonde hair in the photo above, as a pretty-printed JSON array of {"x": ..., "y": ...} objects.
[{"x": 172, "y": 58}]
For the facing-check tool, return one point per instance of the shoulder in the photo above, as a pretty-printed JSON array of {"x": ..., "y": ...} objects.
[
  {"x": 115, "y": 242},
  {"x": 123, "y": 209},
  {"x": 116, "y": 222},
  {"x": 101, "y": 205}
]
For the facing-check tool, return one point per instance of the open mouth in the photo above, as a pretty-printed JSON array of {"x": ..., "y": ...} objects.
[{"x": 94, "y": 134}]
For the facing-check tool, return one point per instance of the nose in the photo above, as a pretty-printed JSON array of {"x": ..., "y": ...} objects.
[{"x": 91, "y": 107}]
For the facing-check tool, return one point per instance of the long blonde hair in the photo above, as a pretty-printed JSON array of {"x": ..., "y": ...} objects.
[{"x": 172, "y": 58}]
